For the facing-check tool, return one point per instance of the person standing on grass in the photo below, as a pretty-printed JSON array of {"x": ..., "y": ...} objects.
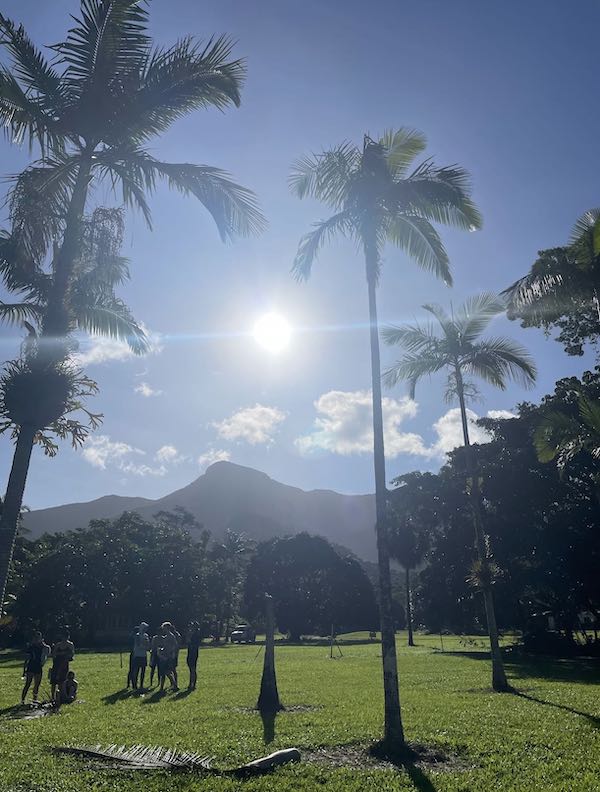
[
  {"x": 179, "y": 642},
  {"x": 167, "y": 648},
  {"x": 193, "y": 645},
  {"x": 62, "y": 654},
  {"x": 154, "y": 663},
  {"x": 37, "y": 653},
  {"x": 141, "y": 646}
]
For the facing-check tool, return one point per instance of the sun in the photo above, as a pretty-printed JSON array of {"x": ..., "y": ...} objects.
[{"x": 272, "y": 332}]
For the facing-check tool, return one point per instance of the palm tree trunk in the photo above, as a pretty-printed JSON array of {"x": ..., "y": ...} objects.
[
  {"x": 56, "y": 320},
  {"x": 13, "y": 500},
  {"x": 393, "y": 732},
  {"x": 409, "y": 623},
  {"x": 499, "y": 680}
]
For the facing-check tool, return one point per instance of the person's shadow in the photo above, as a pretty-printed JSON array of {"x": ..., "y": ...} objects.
[{"x": 119, "y": 695}]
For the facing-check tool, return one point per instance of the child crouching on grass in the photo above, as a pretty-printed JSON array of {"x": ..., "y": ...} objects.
[{"x": 68, "y": 690}]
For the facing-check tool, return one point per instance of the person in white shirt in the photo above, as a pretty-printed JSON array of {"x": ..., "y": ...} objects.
[{"x": 141, "y": 647}]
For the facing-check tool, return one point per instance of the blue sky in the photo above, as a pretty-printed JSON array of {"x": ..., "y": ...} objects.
[{"x": 506, "y": 89}]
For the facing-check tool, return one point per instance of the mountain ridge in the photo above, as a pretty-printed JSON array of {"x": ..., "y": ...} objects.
[{"x": 240, "y": 498}]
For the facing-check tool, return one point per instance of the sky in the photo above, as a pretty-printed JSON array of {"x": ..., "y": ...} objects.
[{"x": 504, "y": 89}]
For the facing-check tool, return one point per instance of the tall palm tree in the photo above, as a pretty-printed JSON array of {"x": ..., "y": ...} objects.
[
  {"x": 377, "y": 196},
  {"x": 455, "y": 346},
  {"x": 90, "y": 112}
]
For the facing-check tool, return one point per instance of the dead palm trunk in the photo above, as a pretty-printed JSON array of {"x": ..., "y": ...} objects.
[
  {"x": 409, "y": 623},
  {"x": 499, "y": 681},
  {"x": 55, "y": 327},
  {"x": 393, "y": 729},
  {"x": 268, "y": 699}
]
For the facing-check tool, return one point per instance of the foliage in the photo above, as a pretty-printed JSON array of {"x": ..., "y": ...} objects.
[
  {"x": 560, "y": 291},
  {"x": 312, "y": 587},
  {"x": 378, "y": 195},
  {"x": 454, "y": 345},
  {"x": 104, "y": 579}
]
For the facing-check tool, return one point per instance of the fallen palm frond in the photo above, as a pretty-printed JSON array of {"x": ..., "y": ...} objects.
[{"x": 141, "y": 757}]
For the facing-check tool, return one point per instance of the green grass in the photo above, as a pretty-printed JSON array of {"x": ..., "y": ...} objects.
[{"x": 547, "y": 739}]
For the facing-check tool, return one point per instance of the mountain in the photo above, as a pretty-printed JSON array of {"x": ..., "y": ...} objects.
[{"x": 241, "y": 499}]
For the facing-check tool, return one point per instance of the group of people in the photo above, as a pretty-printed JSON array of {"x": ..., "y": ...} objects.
[
  {"x": 163, "y": 650},
  {"x": 63, "y": 685}
]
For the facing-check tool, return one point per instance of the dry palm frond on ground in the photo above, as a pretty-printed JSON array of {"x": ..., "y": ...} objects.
[{"x": 141, "y": 757}]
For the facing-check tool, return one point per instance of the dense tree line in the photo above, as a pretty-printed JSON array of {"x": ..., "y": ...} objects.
[
  {"x": 102, "y": 579},
  {"x": 542, "y": 523}
]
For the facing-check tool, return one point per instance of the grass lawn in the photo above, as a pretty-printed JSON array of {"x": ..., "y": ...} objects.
[{"x": 547, "y": 739}]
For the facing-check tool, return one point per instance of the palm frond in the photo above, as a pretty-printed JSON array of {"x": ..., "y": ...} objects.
[
  {"x": 23, "y": 117},
  {"x": 401, "y": 147},
  {"x": 419, "y": 239},
  {"x": 585, "y": 239},
  {"x": 412, "y": 368},
  {"x": 140, "y": 757},
  {"x": 17, "y": 313},
  {"x": 112, "y": 318},
  {"x": 445, "y": 321},
  {"x": 311, "y": 243},
  {"x": 108, "y": 38},
  {"x": 185, "y": 77},
  {"x": 557, "y": 436},
  {"x": 439, "y": 194},
  {"x": 325, "y": 176},
  {"x": 32, "y": 69},
  {"x": 476, "y": 313},
  {"x": 498, "y": 360},
  {"x": 234, "y": 208},
  {"x": 413, "y": 338},
  {"x": 549, "y": 289}
]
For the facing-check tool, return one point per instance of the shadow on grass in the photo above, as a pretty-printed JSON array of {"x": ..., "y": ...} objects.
[
  {"x": 119, "y": 695},
  {"x": 268, "y": 722},
  {"x": 157, "y": 696},
  {"x": 556, "y": 669},
  {"x": 183, "y": 694},
  {"x": 593, "y": 720},
  {"x": 407, "y": 760}
]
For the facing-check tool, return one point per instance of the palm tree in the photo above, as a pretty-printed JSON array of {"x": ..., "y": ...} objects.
[
  {"x": 413, "y": 519},
  {"x": 91, "y": 111},
  {"x": 38, "y": 396},
  {"x": 376, "y": 198},
  {"x": 460, "y": 351}
]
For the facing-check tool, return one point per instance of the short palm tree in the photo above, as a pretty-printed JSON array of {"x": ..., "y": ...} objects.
[
  {"x": 91, "y": 112},
  {"x": 377, "y": 196},
  {"x": 454, "y": 345}
]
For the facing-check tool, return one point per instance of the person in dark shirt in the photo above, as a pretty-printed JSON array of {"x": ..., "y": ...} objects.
[
  {"x": 193, "y": 645},
  {"x": 63, "y": 652},
  {"x": 37, "y": 653}
]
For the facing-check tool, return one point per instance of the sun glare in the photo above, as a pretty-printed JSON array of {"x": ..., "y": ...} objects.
[{"x": 272, "y": 332}]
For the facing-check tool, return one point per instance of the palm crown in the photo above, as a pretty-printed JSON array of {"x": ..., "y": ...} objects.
[
  {"x": 458, "y": 348},
  {"x": 378, "y": 196},
  {"x": 104, "y": 96}
]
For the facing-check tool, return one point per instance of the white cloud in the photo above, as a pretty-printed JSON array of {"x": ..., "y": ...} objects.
[
  {"x": 142, "y": 469},
  {"x": 255, "y": 424},
  {"x": 146, "y": 390},
  {"x": 169, "y": 455},
  {"x": 100, "y": 450},
  {"x": 213, "y": 455},
  {"x": 345, "y": 425},
  {"x": 99, "y": 349},
  {"x": 450, "y": 434}
]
